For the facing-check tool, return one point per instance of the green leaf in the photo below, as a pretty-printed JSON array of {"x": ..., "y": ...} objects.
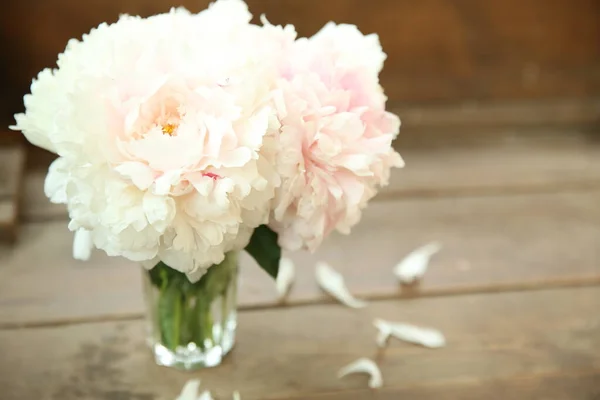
[
  {"x": 161, "y": 274},
  {"x": 264, "y": 249},
  {"x": 155, "y": 275}
]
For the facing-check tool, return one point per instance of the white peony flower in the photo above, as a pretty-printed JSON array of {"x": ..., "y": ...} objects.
[{"x": 165, "y": 133}]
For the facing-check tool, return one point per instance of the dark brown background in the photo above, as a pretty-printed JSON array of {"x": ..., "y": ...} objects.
[{"x": 439, "y": 50}]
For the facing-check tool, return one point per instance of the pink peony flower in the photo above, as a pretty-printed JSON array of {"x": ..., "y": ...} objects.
[
  {"x": 335, "y": 141},
  {"x": 165, "y": 133}
]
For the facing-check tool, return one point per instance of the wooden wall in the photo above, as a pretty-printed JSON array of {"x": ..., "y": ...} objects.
[{"x": 439, "y": 50}]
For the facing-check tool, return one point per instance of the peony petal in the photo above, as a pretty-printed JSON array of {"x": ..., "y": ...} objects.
[
  {"x": 42, "y": 105},
  {"x": 427, "y": 337},
  {"x": 332, "y": 282},
  {"x": 256, "y": 128},
  {"x": 55, "y": 184},
  {"x": 357, "y": 163},
  {"x": 285, "y": 277},
  {"x": 195, "y": 275},
  {"x": 367, "y": 366},
  {"x": 279, "y": 103},
  {"x": 163, "y": 184},
  {"x": 190, "y": 390},
  {"x": 149, "y": 264},
  {"x": 414, "y": 265},
  {"x": 82, "y": 245},
  {"x": 235, "y": 158},
  {"x": 159, "y": 211},
  {"x": 140, "y": 174}
]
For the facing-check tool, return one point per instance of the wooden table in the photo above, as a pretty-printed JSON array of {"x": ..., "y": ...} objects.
[{"x": 515, "y": 289}]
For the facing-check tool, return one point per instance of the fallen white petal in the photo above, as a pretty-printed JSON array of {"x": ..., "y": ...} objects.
[
  {"x": 236, "y": 395},
  {"x": 205, "y": 396},
  {"x": 414, "y": 265},
  {"x": 332, "y": 282},
  {"x": 427, "y": 337},
  {"x": 384, "y": 331},
  {"x": 366, "y": 366},
  {"x": 190, "y": 390},
  {"x": 285, "y": 277},
  {"x": 82, "y": 245}
]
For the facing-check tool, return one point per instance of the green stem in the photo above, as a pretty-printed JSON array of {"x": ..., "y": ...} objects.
[
  {"x": 187, "y": 315},
  {"x": 169, "y": 315},
  {"x": 201, "y": 309},
  {"x": 207, "y": 323},
  {"x": 177, "y": 320},
  {"x": 184, "y": 308},
  {"x": 224, "y": 301}
]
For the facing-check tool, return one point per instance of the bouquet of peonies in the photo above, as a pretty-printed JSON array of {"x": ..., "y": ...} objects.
[{"x": 184, "y": 138}]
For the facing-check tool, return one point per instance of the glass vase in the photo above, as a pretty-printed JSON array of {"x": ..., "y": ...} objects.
[{"x": 191, "y": 325}]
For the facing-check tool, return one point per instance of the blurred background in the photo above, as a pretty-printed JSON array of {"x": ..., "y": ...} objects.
[
  {"x": 454, "y": 66},
  {"x": 459, "y": 72},
  {"x": 439, "y": 51}
]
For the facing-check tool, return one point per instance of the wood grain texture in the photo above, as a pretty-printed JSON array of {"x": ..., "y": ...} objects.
[
  {"x": 508, "y": 163},
  {"x": 543, "y": 344},
  {"x": 439, "y": 50},
  {"x": 582, "y": 386},
  {"x": 490, "y": 243},
  {"x": 458, "y": 118},
  {"x": 36, "y": 206},
  {"x": 12, "y": 171}
]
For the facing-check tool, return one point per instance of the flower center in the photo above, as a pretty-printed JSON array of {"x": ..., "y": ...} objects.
[{"x": 169, "y": 129}]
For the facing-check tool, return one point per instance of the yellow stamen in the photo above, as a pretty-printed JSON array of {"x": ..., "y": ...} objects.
[{"x": 169, "y": 129}]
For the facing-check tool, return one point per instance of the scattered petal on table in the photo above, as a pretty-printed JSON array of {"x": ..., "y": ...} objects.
[
  {"x": 205, "y": 396},
  {"x": 414, "y": 265},
  {"x": 332, "y": 282},
  {"x": 190, "y": 390},
  {"x": 237, "y": 396},
  {"x": 384, "y": 330},
  {"x": 366, "y": 366},
  {"x": 285, "y": 277},
  {"x": 427, "y": 337}
]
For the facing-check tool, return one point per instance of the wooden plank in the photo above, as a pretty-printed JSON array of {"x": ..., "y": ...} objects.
[
  {"x": 36, "y": 205},
  {"x": 526, "y": 161},
  {"x": 490, "y": 243},
  {"x": 455, "y": 118},
  {"x": 498, "y": 344},
  {"x": 439, "y": 50},
  {"x": 549, "y": 387},
  {"x": 12, "y": 162},
  {"x": 506, "y": 164},
  {"x": 12, "y": 170}
]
